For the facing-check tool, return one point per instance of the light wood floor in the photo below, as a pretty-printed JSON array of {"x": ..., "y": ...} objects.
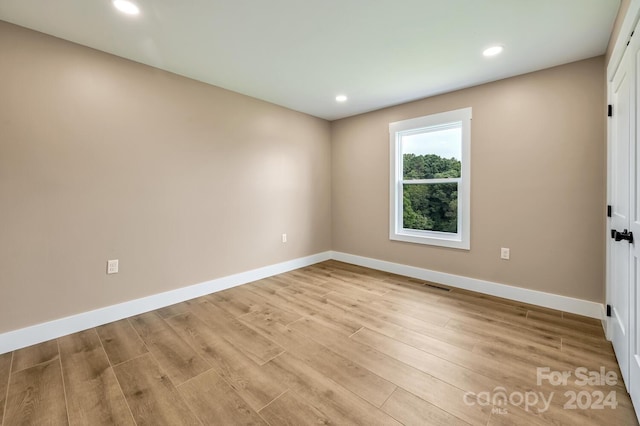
[{"x": 327, "y": 344}]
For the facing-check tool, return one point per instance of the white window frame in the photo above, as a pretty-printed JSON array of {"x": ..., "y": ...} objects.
[{"x": 461, "y": 239}]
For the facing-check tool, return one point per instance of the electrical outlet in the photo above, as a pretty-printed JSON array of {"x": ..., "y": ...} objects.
[
  {"x": 284, "y": 238},
  {"x": 505, "y": 253},
  {"x": 112, "y": 266}
]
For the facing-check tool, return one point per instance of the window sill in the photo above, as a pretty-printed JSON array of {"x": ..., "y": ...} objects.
[{"x": 432, "y": 240}]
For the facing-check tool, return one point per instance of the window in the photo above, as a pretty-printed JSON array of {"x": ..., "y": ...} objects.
[{"x": 430, "y": 171}]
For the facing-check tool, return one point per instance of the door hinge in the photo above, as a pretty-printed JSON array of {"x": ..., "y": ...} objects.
[
  {"x": 608, "y": 211},
  {"x": 609, "y": 110},
  {"x": 609, "y": 310}
]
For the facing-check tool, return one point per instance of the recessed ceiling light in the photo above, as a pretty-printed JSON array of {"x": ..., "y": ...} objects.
[
  {"x": 125, "y": 6},
  {"x": 341, "y": 98},
  {"x": 493, "y": 51}
]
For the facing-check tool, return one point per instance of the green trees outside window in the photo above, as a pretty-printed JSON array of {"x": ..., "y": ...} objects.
[{"x": 430, "y": 206}]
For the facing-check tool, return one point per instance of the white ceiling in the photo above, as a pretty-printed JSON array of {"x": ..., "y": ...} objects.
[{"x": 302, "y": 53}]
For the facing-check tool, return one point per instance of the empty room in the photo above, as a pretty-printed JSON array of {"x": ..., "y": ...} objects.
[{"x": 358, "y": 212}]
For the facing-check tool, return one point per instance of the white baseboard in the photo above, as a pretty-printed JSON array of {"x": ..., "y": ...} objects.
[
  {"x": 534, "y": 297},
  {"x": 38, "y": 333}
]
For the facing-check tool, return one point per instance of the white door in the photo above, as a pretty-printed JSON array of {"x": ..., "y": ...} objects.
[
  {"x": 634, "y": 227},
  {"x": 623, "y": 86}
]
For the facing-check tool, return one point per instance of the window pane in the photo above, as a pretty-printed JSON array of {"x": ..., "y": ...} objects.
[
  {"x": 431, "y": 207},
  {"x": 433, "y": 154}
]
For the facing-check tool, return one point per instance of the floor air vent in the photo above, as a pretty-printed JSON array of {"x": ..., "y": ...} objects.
[{"x": 436, "y": 287}]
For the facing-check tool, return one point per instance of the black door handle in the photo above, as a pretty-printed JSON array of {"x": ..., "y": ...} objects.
[{"x": 624, "y": 235}]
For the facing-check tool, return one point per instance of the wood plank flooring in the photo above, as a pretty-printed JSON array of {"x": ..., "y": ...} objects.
[{"x": 331, "y": 344}]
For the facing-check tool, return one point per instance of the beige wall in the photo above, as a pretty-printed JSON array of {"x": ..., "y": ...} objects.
[
  {"x": 622, "y": 11},
  {"x": 183, "y": 182},
  {"x": 537, "y": 185},
  {"x": 104, "y": 158}
]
